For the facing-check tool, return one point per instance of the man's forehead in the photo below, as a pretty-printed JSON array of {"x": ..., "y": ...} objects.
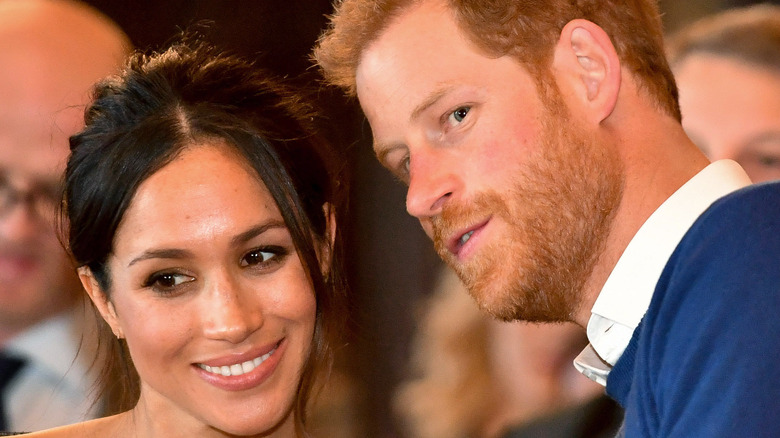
[
  {"x": 33, "y": 154},
  {"x": 393, "y": 61},
  {"x": 417, "y": 59},
  {"x": 417, "y": 21}
]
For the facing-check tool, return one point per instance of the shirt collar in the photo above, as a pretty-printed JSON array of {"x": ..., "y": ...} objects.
[
  {"x": 626, "y": 294},
  {"x": 54, "y": 344}
]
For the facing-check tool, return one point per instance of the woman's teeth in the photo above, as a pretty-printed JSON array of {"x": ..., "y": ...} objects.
[{"x": 239, "y": 368}]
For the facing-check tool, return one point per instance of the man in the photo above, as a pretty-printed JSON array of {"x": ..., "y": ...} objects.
[
  {"x": 51, "y": 52},
  {"x": 543, "y": 152},
  {"x": 742, "y": 123}
]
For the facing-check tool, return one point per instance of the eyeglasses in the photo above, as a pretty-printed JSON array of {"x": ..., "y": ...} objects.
[{"x": 42, "y": 199}]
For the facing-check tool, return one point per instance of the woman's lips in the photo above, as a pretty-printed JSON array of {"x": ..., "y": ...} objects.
[
  {"x": 243, "y": 372},
  {"x": 238, "y": 369}
]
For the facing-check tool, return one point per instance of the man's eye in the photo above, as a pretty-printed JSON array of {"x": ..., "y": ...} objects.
[
  {"x": 458, "y": 115},
  {"x": 401, "y": 169}
]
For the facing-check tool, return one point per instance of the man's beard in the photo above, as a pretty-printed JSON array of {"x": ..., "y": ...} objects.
[{"x": 559, "y": 213}]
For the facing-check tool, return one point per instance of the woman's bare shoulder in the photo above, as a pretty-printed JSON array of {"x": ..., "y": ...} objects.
[{"x": 99, "y": 428}]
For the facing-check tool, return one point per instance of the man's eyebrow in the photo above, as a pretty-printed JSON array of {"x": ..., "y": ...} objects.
[
  {"x": 382, "y": 149},
  {"x": 430, "y": 100}
]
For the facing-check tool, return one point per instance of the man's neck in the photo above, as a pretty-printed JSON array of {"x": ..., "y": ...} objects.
[{"x": 658, "y": 159}]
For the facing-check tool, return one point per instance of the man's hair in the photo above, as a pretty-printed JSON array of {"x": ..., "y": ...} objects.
[
  {"x": 750, "y": 34},
  {"x": 525, "y": 30}
]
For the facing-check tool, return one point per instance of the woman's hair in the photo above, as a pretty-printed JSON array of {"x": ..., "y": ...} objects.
[
  {"x": 191, "y": 93},
  {"x": 750, "y": 34},
  {"x": 525, "y": 30}
]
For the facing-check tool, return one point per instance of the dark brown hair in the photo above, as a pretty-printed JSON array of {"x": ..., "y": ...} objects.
[{"x": 160, "y": 104}]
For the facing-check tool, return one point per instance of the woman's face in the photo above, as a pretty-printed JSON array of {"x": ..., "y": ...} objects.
[{"x": 211, "y": 297}]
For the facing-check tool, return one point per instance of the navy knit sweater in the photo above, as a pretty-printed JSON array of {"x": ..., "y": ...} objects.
[{"x": 705, "y": 360}]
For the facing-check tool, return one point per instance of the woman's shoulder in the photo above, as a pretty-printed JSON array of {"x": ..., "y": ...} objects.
[{"x": 101, "y": 427}]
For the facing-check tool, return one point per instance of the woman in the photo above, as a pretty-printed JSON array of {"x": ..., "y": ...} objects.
[{"x": 202, "y": 216}]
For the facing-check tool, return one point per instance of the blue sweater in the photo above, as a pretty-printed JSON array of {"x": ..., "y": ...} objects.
[{"x": 705, "y": 360}]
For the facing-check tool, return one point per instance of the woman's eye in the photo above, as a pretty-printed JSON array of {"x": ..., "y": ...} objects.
[
  {"x": 167, "y": 281},
  {"x": 261, "y": 256},
  {"x": 458, "y": 115}
]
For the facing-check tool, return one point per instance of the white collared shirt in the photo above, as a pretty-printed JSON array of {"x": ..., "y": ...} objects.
[
  {"x": 626, "y": 295},
  {"x": 55, "y": 385}
]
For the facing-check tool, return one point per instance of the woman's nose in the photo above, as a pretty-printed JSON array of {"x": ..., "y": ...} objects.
[{"x": 230, "y": 312}]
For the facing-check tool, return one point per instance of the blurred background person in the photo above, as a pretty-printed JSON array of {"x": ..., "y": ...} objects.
[
  {"x": 476, "y": 377},
  {"x": 727, "y": 68},
  {"x": 50, "y": 54}
]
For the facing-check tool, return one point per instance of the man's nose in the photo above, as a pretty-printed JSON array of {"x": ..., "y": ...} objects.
[
  {"x": 20, "y": 222},
  {"x": 434, "y": 178}
]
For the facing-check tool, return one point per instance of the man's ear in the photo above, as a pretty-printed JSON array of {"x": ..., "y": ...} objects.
[
  {"x": 586, "y": 60},
  {"x": 100, "y": 299}
]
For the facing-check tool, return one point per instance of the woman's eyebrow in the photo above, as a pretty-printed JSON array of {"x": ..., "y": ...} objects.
[
  {"x": 171, "y": 253},
  {"x": 164, "y": 253},
  {"x": 256, "y": 231}
]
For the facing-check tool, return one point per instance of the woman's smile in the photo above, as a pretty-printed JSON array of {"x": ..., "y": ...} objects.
[{"x": 244, "y": 375}]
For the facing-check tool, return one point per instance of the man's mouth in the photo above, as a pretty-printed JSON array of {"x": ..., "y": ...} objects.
[
  {"x": 14, "y": 266},
  {"x": 465, "y": 238},
  {"x": 457, "y": 244}
]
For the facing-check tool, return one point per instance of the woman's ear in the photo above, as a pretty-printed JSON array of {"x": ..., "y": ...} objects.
[
  {"x": 100, "y": 299},
  {"x": 588, "y": 67},
  {"x": 325, "y": 252}
]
